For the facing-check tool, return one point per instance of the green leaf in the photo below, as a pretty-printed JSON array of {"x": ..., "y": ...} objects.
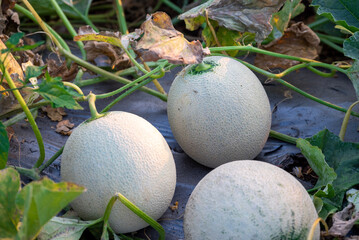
[
  {"x": 343, "y": 157},
  {"x": 33, "y": 72},
  {"x": 353, "y": 74},
  {"x": 280, "y": 19},
  {"x": 39, "y": 201},
  {"x": 343, "y": 12},
  {"x": 14, "y": 40},
  {"x": 53, "y": 89},
  {"x": 351, "y": 46},
  {"x": 4, "y": 146},
  {"x": 226, "y": 37},
  {"x": 316, "y": 160},
  {"x": 70, "y": 7},
  {"x": 59, "y": 228},
  {"x": 9, "y": 216}
]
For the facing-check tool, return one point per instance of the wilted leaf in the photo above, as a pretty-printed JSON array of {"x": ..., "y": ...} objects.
[
  {"x": 353, "y": 74},
  {"x": 226, "y": 37},
  {"x": 298, "y": 40},
  {"x": 343, "y": 221},
  {"x": 59, "y": 228},
  {"x": 343, "y": 157},
  {"x": 316, "y": 160},
  {"x": 344, "y": 13},
  {"x": 351, "y": 46},
  {"x": 4, "y": 146},
  {"x": 162, "y": 41},
  {"x": 53, "y": 89},
  {"x": 40, "y": 201},
  {"x": 239, "y": 15},
  {"x": 104, "y": 44},
  {"x": 64, "y": 127},
  {"x": 9, "y": 20},
  {"x": 62, "y": 71},
  {"x": 280, "y": 20},
  {"x": 70, "y": 7},
  {"x": 9, "y": 187}
]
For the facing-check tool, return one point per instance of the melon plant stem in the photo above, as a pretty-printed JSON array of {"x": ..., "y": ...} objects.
[
  {"x": 94, "y": 114},
  {"x": 30, "y": 118},
  {"x": 121, "y": 17},
  {"x": 343, "y": 128},
  {"x": 68, "y": 25},
  {"x": 87, "y": 65},
  {"x": 274, "y": 54},
  {"x": 305, "y": 94},
  {"x": 282, "y": 137},
  {"x": 159, "y": 68},
  {"x": 51, "y": 160},
  {"x": 29, "y": 15},
  {"x": 136, "y": 211}
]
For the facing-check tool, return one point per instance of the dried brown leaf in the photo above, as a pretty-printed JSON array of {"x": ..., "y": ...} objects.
[
  {"x": 298, "y": 40},
  {"x": 55, "y": 114},
  {"x": 64, "y": 127},
  {"x": 61, "y": 70},
  {"x": 162, "y": 41},
  {"x": 239, "y": 15},
  {"x": 343, "y": 221},
  {"x": 118, "y": 58}
]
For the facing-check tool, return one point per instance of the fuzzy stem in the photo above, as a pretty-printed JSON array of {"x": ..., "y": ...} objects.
[
  {"x": 86, "y": 20},
  {"x": 17, "y": 118},
  {"x": 68, "y": 25},
  {"x": 142, "y": 215},
  {"x": 173, "y": 6},
  {"x": 74, "y": 86},
  {"x": 314, "y": 225},
  {"x": 305, "y": 94},
  {"x": 331, "y": 44},
  {"x": 30, "y": 118},
  {"x": 334, "y": 39},
  {"x": 121, "y": 17},
  {"x": 343, "y": 128},
  {"x": 111, "y": 75},
  {"x": 318, "y": 22},
  {"x": 122, "y": 96},
  {"x": 110, "y": 94},
  {"x": 94, "y": 114},
  {"x": 322, "y": 74},
  {"x": 282, "y": 137},
  {"x": 41, "y": 23},
  {"x": 51, "y": 160},
  {"x": 29, "y": 15},
  {"x": 155, "y": 81},
  {"x": 30, "y": 173}
]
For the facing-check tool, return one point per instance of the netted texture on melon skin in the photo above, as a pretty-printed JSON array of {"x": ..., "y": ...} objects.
[
  {"x": 124, "y": 153},
  {"x": 249, "y": 200},
  {"x": 221, "y": 115}
]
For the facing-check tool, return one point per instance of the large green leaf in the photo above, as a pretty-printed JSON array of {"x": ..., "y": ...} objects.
[
  {"x": 4, "y": 146},
  {"x": 280, "y": 19},
  {"x": 351, "y": 46},
  {"x": 343, "y": 157},
  {"x": 59, "y": 228},
  {"x": 353, "y": 74},
  {"x": 317, "y": 162},
  {"x": 70, "y": 7},
  {"x": 39, "y": 201},
  {"x": 9, "y": 217},
  {"x": 342, "y": 12},
  {"x": 53, "y": 89}
]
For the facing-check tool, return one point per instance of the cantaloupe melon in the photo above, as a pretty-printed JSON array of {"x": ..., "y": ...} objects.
[
  {"x": 120, "y": 152},
  {"x": 249, "y": 200},
  {"x": 220, "y": 114}
]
